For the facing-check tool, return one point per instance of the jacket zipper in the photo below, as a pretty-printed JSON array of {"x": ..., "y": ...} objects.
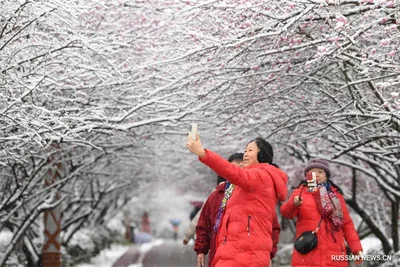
[{"x": 248, "y": 225}]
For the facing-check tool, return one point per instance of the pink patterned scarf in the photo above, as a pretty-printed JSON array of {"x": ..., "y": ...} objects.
[{"x": 329, "y": 205}]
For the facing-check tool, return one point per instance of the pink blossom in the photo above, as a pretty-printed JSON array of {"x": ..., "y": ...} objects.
[
  {"x": 255, "y": 68},
  {"x": 385, "y": 42},
  {"x": 321, "y": 49},
  {"x": 125, "y": 65},
  {"x": 390, "y": 4},
  {"x": 339, "y": 25},
  {"x": 392, "y": 53},
  {"x": 383, "y": 20},
  {"x": 386, "y": 104},
  {"x": 334, "y": 39},
  {"x": 373, "y": 51},
  {"x": 342, "y": 19},
  {"x": 247, "y": 24},
  {"x": 364, "y": 57},
  {"x": 195, "y": 39},
  {"x": 394, "y": 94}
]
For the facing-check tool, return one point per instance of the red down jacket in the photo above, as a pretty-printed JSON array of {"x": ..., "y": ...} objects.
[
  {"x": 329, "y": 243},
  {"x": 205, "y": 235},
  {"x": 244, "y": 237}
]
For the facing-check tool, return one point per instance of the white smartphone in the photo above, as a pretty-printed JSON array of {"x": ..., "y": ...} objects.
[{"x": 193, "y": 131}]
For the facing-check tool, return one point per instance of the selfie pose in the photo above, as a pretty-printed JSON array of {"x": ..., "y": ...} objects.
[
  {"x": 244, "y": 231},
  {"x": 323, "y": 221}
]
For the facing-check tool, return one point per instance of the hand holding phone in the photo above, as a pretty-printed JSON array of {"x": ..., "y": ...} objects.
[{"x": 193, "y": 143}]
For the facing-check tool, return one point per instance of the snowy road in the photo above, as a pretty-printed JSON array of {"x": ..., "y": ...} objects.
[{"x": 170, "y": 254}]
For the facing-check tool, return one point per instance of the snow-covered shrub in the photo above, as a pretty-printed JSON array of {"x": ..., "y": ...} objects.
[{"x": 88, "y": 242}]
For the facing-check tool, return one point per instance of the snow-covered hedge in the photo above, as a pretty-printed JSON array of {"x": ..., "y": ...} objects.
[{"x": 88, "y": 242}]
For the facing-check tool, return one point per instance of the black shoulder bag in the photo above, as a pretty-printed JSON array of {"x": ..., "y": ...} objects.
[{"x": 308, "y": 240}]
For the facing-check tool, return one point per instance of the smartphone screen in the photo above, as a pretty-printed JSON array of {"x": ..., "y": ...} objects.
[{"x": 311, "y": 181}]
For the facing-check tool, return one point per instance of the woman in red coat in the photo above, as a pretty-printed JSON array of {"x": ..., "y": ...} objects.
[
  {"x": 323, "y": 200},
  {"x": 244, "y": 231},
  {"x": 205, "y": 234}
]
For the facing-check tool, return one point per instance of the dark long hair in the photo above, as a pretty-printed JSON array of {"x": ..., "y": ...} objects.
[{"x": 266, "y": 153}]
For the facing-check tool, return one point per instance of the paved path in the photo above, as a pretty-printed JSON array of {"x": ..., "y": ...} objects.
[
  {"x": 171, "y": 254},
  {"x": 130, "y": 257}
]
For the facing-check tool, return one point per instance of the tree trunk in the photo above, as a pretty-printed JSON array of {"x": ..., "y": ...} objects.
[
  {"x": 374, "y": 228},
  {"x": 395, "y": 224}
]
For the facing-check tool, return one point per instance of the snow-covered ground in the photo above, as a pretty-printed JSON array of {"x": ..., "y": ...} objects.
[
  {"x": 371, "y": 243},
  {"x": 108, "y": 257}
]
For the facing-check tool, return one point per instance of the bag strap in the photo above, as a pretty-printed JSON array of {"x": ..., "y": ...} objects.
[{"x": 318, "y": 226}]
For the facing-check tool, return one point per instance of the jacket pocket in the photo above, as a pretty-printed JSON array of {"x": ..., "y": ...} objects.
[
  {"x": 248, "y": 225},
  {"x": 224, "y": 228}
]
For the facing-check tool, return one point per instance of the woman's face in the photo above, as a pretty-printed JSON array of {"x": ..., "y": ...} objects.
[
  {"x": 250, "y": 154},
  {"x": 320, "y": 173}
]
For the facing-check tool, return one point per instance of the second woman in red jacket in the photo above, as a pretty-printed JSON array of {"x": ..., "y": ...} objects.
[{"x": 322, "y": 203}]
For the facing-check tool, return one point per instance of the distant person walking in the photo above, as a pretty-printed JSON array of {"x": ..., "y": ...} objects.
[
  {"x": 146, "y": 223},
  {"x": 190, "y": 231}
]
